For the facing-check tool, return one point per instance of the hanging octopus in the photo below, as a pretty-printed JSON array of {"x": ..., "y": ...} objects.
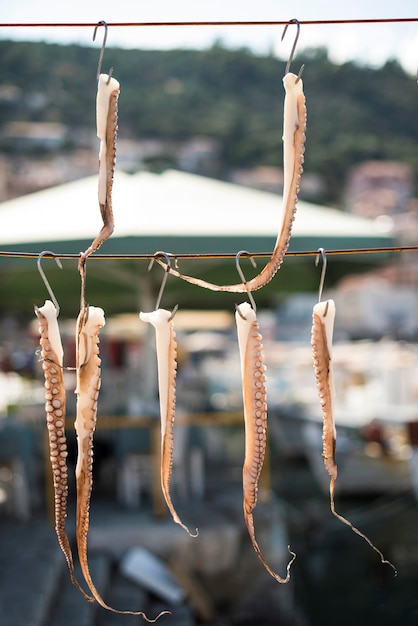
[
  {"x": 55, "y": 407},
  {"x": 293, "y": 155},
  {"x": 89, "y": 323},
  {"x": 107, "y": 127},
  {"x": 255, "y": 417},
  {"x": 162, "y": 320},
  {"x": 322, "y": 333}
]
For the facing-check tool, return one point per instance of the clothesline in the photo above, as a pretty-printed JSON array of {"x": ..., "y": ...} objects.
[
  {"x": 213, "y": 23},
  {"x": 209, "y": 255}
]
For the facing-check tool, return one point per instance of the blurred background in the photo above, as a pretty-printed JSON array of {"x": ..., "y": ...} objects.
[{"x": 199, "y": 169}]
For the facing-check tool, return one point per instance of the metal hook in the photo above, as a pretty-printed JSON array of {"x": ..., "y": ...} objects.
[
  {"x": 44, "y": 278},
  {"x": 83, "y": 271},
  {"x": 99, "y": 65},
  {"x": 321, "y": 253},
  {"x": 164, "y": 281},
  {"x": 292, "y": 52},
  {"x": 241, "y": 274}
]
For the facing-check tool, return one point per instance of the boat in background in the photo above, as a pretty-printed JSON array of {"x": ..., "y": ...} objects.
[{"x": 367, "y": 464}]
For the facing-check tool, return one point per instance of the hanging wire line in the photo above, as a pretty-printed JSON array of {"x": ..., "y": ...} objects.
[
  {"x": 211, "y": 23},
  {"x": 209, "y": 255}
]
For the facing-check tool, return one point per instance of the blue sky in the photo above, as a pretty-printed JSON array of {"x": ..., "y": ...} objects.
[{"x": 371, "y": 44}]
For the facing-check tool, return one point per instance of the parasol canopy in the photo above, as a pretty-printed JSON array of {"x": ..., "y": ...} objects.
[{"x": 176, "y": 212}]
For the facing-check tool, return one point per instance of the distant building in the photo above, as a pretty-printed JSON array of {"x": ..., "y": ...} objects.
[
  {"x": 372, "y": 306},
  {"x": 30, "y": 136},
  {"x": 368, "y": 307},
  {"x": 270, "y": 178},
  {"x": 376, "y": 188},
  {"x": 264, "y": 177},
  {"x": 10, "y": 94},
  {"x": 4, "y": 173},
  {"x": 199, "y": 155},
  {"x": 21, "y": 174}
]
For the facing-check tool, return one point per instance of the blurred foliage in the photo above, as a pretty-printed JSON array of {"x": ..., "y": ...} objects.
[{"x": 354, "y": 113}]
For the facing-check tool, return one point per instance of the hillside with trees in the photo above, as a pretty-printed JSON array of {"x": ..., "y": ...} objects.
[{"x": 354, "y": 113}]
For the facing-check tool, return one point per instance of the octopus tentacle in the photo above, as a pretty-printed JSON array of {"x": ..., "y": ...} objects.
[
  {"x": 321, "y": 340},
  {"x": 55, "y": 407},
  {"x": 89, "y": 323},
  {"x": 321, "y": 349},
  {"x": 107, "y": 127},
  {"x": 293, "y": 156},
  {"x": 167, "y": 370},
  {"x": 255, "y": 416}
]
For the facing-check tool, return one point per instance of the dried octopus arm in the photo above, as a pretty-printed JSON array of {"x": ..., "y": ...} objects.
[
  {"x": 255, "y": 417},
  {"x": 167, "y": 369},
  {"x": 55, "y": 406},
  {"x": 293, "y": 155},
  {"x": 322, "y": 334},
  {"x": 107, "y": 126},
  {"x": 89, "y": 323}
]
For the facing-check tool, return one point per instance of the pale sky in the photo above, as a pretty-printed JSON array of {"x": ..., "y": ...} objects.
[{"x": 370, "y": 44}]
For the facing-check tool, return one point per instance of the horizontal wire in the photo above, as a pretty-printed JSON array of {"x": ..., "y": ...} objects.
[
  {"x": 207, "y": 255},
  {"x": 212, "y": 23}
]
